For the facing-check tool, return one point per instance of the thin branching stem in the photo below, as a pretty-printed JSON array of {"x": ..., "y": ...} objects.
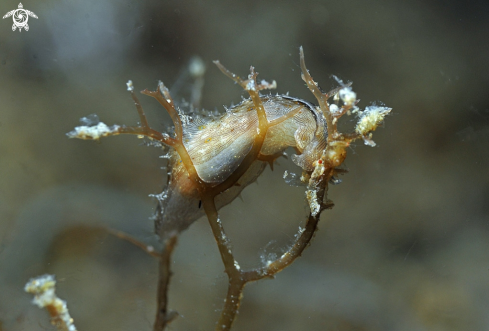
[
  {"x": 150, "y": 250},
  {"x": 163, "y": 97},
  {"x": 231, "y": 304},
  {"x": 320, "y": 96},
  {"x": 142, "y": 115},
  {"x": 220, "y": 236},
  {"x": 231, "y": 267},
  {"x": 237, "y": 277},
  {"x": 163, "y": 315},
  {"x": 284, "y": 117},
  {"x": 273, "y": 267}
]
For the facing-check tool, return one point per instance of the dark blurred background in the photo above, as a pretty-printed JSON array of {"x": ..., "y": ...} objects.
[{"x": 406, "y": 246}]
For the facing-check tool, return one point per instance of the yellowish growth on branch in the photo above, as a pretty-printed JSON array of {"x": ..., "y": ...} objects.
[{"x": 43, "y": 288}]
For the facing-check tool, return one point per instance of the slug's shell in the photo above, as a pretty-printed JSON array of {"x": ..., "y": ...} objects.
[{"x": 218, "y": 146}]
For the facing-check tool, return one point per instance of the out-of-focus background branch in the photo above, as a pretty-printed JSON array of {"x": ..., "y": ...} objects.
[{"x": 406, "y": 246}]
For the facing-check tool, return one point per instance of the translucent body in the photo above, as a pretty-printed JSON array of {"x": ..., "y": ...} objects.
[{"x": 219, "y": 145}]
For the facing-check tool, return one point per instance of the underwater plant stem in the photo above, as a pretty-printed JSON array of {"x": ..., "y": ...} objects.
[
  {"x": 231, "y": 305},
  {"x": 236, "y": 282},
  {"x": 237, "y": 277},
  {"x": 220, "y": 236},
  {"x": 142, "y": 115},
  {"x": 284, "y": 117},
  {"x": 150, "y": 250},
  {"x": 303, "y": 240},
  {"x": 142, "y": 131},
  {"x": 288, "y": 257},
  {"x": 163, "y": 316},
  {"x": 320, "y": 96},
  {"x": 163, "y": 97}
]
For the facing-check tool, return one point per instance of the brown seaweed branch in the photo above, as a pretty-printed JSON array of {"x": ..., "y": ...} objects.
[{"x": 163, "y": 314}]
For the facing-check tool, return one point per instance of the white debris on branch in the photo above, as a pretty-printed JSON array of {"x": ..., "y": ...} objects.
[
  {"x": 347, "y": 95},
  {"x": 370, "y": 118},
  {"x": 334, "y": 110},
  {"x": 43, "y": 288},
  {"x": 266, "y": 85},
  {"x": 94, "y": 132},
  {"x": 250, "y": 86},
  {"x": 312, "y": 189}
]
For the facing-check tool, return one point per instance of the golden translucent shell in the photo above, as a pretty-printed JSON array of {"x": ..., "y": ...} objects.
[{"x": 218, "y": 146}]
